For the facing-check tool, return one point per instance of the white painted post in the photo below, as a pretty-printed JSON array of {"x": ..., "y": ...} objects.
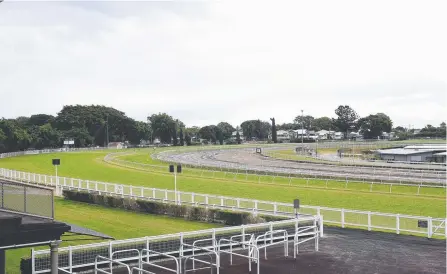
[
  {"x": 429, "y": 227},
  {"x": 221, "y": 201},
  {"x": 70, "y": 259},
  {"x": 33, "y": 267},
  {"x": 343, "y": 218},
  {"x": 397, "y": 224},
  {"x": 321, "y": 226},
  {"x": 238, "y": 203},
  {"x": 275, "y": 208},
  {"x": 369, "y": 220},
  {"x": 192, "y": 198}
]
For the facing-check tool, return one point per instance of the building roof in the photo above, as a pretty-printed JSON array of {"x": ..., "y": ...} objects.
[
  {"x": 300, "y": 131},
  {"x": 433, "y": 146},
  {"x": 280, "y": 132},
  {"x": 441, "y": 154},
  {"x": 403, "y": 151}
]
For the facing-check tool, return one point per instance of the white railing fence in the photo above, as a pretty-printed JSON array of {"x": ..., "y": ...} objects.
[
  {"x": 47, "y": 151},
  {"x": 397, "y": 223}
]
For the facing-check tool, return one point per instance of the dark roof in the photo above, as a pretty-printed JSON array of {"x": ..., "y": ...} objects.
[{"x": 17, "y": 229}]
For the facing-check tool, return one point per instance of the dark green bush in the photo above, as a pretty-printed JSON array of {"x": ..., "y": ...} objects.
[{"x": 192, "y": 213}]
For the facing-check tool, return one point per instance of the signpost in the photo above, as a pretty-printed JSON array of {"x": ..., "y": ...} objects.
[
  {"x": 175, "y": 171},
  {"x": 296, "y": 206},
  {"x": 56, "y": 162}
]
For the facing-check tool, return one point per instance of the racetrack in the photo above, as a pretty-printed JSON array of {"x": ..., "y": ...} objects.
[{"x": 248, "y": 159}]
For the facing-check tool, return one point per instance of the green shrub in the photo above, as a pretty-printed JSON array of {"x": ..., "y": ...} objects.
[{"x": 232, "y": 218}]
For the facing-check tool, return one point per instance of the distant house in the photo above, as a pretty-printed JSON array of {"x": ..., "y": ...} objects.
[
  {"x": 299, "y": 133},
  {"x": 283, "y": 136},
  {"x": 338, "y": 136},
  {"x": 234, "y": 134},
  {"x": 324, "y": 134},
  {"x": 116, "y": 145}
]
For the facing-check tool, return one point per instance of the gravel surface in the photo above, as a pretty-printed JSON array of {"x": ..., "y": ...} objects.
[{"x": 247, "y": 159}]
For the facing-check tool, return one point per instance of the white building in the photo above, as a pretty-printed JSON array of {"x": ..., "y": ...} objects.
[
  {"x": 283, "y": 136},
  {"x": 338, "y": 135},
  {"x": 116, "y": 145},
  {"x": 234, "y": 134}
]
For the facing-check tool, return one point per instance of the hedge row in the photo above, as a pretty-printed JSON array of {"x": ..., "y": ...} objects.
[{"x": 193, "y": 213}]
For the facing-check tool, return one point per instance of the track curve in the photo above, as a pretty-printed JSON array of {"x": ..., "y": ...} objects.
[{"x": 248, "y": 159}]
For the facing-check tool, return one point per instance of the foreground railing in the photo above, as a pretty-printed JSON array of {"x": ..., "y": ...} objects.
[
  {"x": 26, "y": 199},
  {"x": 73, "y": 258},
  {"x": 397, "y": 223}
]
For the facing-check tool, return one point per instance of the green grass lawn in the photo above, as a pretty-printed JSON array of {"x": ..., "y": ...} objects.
[
  {"x": 92, "y": 167},
  {"x": 117, "y": 223}
]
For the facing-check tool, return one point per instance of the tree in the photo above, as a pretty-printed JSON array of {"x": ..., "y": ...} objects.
[
  {"x": 193, "y": 132},
  {"x": 187, "y": 139},
  {"x": 346, "y": 118},
  {"x": 227, "y": 129},
  {"x": 238, "y": 136},
  {"x": 287, "y": 126},
  {"x": 274, "y": 137},
  {"x": 322, "y": 123},
  {"x": 182, "y": 141},
  {"x": 164, "y": 127},
  {"x": 40, "y": 119},
  {"x": 220, "y": 136},
  {"x": 210, "y": 132},
  {"x": 307, "y": 120},
  {"x": 400, "y": 129},
  {"x": 374, "y": 125},
  {"x": 256, "y": 129}
]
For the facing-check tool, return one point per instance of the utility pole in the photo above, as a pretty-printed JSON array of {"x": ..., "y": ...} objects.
[
  {"x": 107, "y": 130},
  {"x": 302, "y": 132}
]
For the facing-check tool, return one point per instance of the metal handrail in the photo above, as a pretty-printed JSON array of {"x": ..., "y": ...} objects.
[
  {"x": 142, "y": 262},
  {"x": 108, "y": 260}
]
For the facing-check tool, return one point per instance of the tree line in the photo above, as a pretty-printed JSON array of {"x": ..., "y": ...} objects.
[{"x": 97, "y": 125}]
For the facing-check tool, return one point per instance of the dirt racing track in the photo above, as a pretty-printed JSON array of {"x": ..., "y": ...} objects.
[{"x": 248, "y": 159}]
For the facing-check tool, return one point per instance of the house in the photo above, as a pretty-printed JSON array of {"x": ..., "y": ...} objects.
[
  {"x": 338, "y": 135},
  {"x": 298, "y": 133},
  {"x": 312, "y": 135},
  {"x": 283, "y": 136},
  {"x": 234, "y": 133},
  {"x": 116, "y": 145}
]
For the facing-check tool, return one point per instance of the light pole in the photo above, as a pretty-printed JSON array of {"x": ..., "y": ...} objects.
[
  {"x": 302, "y": 132},
  {"x": 175, "y": 171}
]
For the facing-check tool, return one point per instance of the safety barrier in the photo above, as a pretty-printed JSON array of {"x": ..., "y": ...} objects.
[{"x": 179, "y": 246}]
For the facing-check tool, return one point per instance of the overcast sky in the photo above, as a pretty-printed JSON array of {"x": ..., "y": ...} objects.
[{"x": 206, "y": 62}]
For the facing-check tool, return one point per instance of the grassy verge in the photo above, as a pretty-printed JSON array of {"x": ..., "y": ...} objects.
[{"x": 117, "y": 223}]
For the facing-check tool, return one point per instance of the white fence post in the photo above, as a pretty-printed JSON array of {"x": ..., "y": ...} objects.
[
  {"x": 343, "y": 218},
  {"x": 369, "y": 220},
  {"x": 33, "y": 262},
  {"x": 321, "y": 226},
  {"x": 397, "y": 224},
  {"x": 70, "y": 258},
  {"x": 429, "y": 227}
]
